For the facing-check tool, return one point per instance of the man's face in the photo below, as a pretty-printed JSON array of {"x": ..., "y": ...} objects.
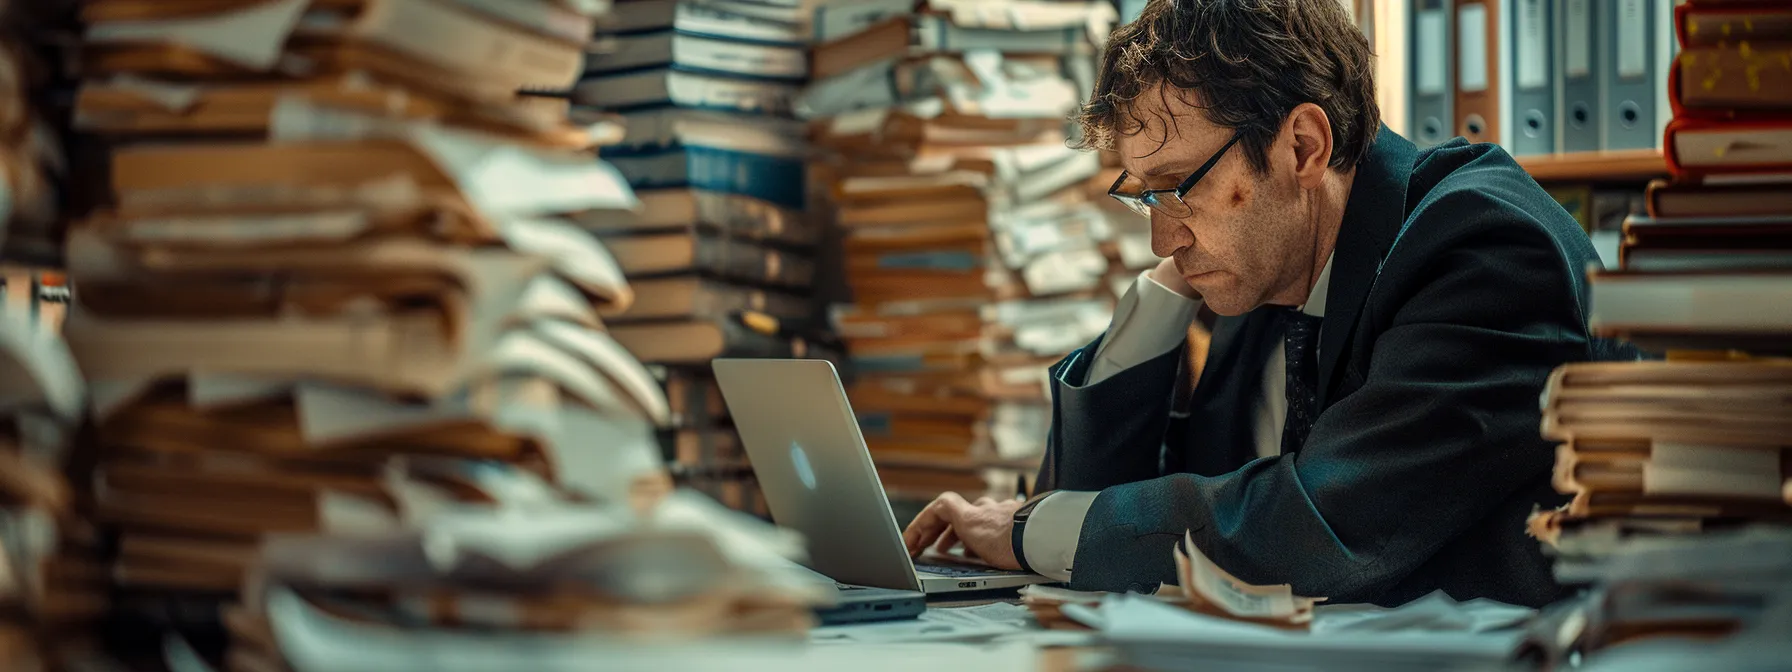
[{"x": 1247, "y": 238}]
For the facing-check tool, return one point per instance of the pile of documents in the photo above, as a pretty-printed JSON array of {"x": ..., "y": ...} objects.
[
  {"x": 1676, "y": 467},
  {"x": 1667, "y": 447},
  {"x": 1720, "y": 600},
  {"x": 1152, "y": 632},
  {"x": 32, "y": 162},
  {"x": 336, "y": 283},
  {"x": 52, "y": 581},
  {"x": 972, "y": 248},
  {"x": 526, "y": 582},
  {"x": 1681, "y": 465}
]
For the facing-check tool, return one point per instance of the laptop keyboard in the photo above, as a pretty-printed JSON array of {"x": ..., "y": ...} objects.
[{"x": 963, "y": 572}]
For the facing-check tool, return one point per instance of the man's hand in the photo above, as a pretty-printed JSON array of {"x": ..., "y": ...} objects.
[
  {"x": 1170, "y": 277},
  {"x": 985, "y": 527}
]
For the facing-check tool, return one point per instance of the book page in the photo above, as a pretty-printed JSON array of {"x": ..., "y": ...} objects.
[
  {"x": 1204, "y": 578},
  {"x": 253, "y": 37}
]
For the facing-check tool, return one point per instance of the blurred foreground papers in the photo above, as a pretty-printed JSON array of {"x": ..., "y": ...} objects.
[
  {"x": 1150, "y": 634},
  {"x": 316, "y": 640}
]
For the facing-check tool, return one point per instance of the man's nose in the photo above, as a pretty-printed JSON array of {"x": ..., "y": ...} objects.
[{"x": 1169, "y": 234}]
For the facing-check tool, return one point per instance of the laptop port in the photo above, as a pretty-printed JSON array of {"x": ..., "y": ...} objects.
[{"x": 967, "y": 584}]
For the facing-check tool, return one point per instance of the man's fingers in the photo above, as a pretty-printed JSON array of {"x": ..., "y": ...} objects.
[
  {"x": 947, "y": 540},
  {"x": 928, "y": 526},
  {"x": 985, "y": 501}
]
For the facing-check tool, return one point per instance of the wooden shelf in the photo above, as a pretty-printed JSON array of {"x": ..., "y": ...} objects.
[{"x": 1621, "y": 166}]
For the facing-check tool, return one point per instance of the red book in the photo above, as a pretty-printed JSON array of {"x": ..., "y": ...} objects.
[
  {"x": 1696, "y": 148},
  {"x": 1711, "y": 24}
]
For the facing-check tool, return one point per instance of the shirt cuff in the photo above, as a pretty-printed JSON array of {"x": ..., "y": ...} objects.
[
  {"x": 1049, "y": 542},
  {"x": 1149, "y": 321}
]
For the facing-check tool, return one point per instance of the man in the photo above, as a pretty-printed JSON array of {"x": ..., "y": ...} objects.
[{"x": 1366, "y": 424}]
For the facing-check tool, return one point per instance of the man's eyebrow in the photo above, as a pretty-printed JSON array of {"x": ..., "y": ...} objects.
[{"x": 1166, "y": 168}]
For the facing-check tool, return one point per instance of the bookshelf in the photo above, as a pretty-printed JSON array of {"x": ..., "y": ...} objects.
[{"x": 1620, "y": 166}]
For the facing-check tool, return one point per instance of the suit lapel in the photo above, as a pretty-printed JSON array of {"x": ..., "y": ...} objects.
[{"x": 1372, "y": 219}]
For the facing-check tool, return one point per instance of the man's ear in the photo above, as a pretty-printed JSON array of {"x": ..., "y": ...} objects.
[{"x": 1310, "y": 131}]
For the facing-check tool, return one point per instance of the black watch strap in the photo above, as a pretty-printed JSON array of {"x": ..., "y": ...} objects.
[{"x": 1020, "y": 530}]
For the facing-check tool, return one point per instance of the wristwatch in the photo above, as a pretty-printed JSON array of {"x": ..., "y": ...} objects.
[{"x": 1020, "y": 529}]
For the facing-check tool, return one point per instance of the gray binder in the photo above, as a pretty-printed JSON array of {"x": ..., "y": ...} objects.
[
  {"x": 1533, "y": 118},
  {"x": 1627, "y": 74},
  {"x": 1429, "y": 86},
  {"x": 1576, "y": 68}
]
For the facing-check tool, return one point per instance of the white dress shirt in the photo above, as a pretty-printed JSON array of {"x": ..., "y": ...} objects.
[{"x": 1149, "y": 321}]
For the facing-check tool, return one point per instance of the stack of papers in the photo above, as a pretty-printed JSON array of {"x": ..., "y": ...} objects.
[
  {"x": 33, "y": 167},
  {"x": 1434, "y": 633},
  {"x": 974, "y": 255},
  {"x": 336, "y": 293},
  {"x": 523, "y": 579},
  {"x": 1665, "y": 448},
  {"x": 1732, "y": 589},
  {"x": 1211, "y": 590},
  {"x": 52, "y": 579}
]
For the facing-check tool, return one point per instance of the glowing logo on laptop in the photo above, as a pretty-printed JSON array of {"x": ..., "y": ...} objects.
[{"x": 800, "y": 461}]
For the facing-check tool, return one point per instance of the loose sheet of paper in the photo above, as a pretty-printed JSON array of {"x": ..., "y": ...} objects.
[{"x": 961, "y": 624}]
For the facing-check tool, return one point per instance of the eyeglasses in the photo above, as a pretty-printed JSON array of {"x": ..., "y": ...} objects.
[{"x": 1168, "y": 201}]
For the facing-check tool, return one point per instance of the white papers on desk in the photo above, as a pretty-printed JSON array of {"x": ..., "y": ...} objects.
[
  {"x": 1436, "y": 612},
  {"x": 1154, "y": 635},
  {"x": 960, "y": 624},
  {"x": 315, "y": 641}
]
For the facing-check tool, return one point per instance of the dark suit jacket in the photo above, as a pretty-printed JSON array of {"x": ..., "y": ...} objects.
[{"x": 1457, "y": 286}]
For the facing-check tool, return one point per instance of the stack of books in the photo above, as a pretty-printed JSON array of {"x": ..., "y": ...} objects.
[
  {"x": 974, "y": 253},
  {"x": 703, "y": 451},
  {"x": 54, "y": 589},
  {"x": 1666, "y": 448},
  {"x": 721, "y": 252},
  {"x": 333, "y": 284},
  {"x": 1710, "y": 264},
  {"x": 1664, "y": 459}
]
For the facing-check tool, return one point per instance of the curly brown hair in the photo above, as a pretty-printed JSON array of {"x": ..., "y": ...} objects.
[{"x": 1248, "y": 63}]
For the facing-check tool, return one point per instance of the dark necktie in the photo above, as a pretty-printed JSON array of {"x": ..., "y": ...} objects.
[{"x": 1302, "y": 376}]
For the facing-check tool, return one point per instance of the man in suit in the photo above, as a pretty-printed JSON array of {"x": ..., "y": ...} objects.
[{"x": 1365, "y": 427}]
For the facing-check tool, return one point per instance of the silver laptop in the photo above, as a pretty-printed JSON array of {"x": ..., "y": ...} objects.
[{"x": 812, "y": 463}]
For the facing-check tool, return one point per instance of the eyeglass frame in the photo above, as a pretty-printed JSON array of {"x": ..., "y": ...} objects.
[{"x": 1146, "y": 201}]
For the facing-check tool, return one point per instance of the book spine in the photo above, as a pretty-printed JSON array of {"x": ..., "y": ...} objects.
[
  {"x": 1698, "y": 25},
  {"x": 749, "y": 262},
  {"x": 731, "y": 93},
  {"x": 702, "y": 54},
  {"x": 757, "y": 219},
  {"x": 717, "y": 300},
  {"x": 959, "y": 261},
  {"x": 1731, "y": 82},
  {"x": 775, "y": 179}
]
